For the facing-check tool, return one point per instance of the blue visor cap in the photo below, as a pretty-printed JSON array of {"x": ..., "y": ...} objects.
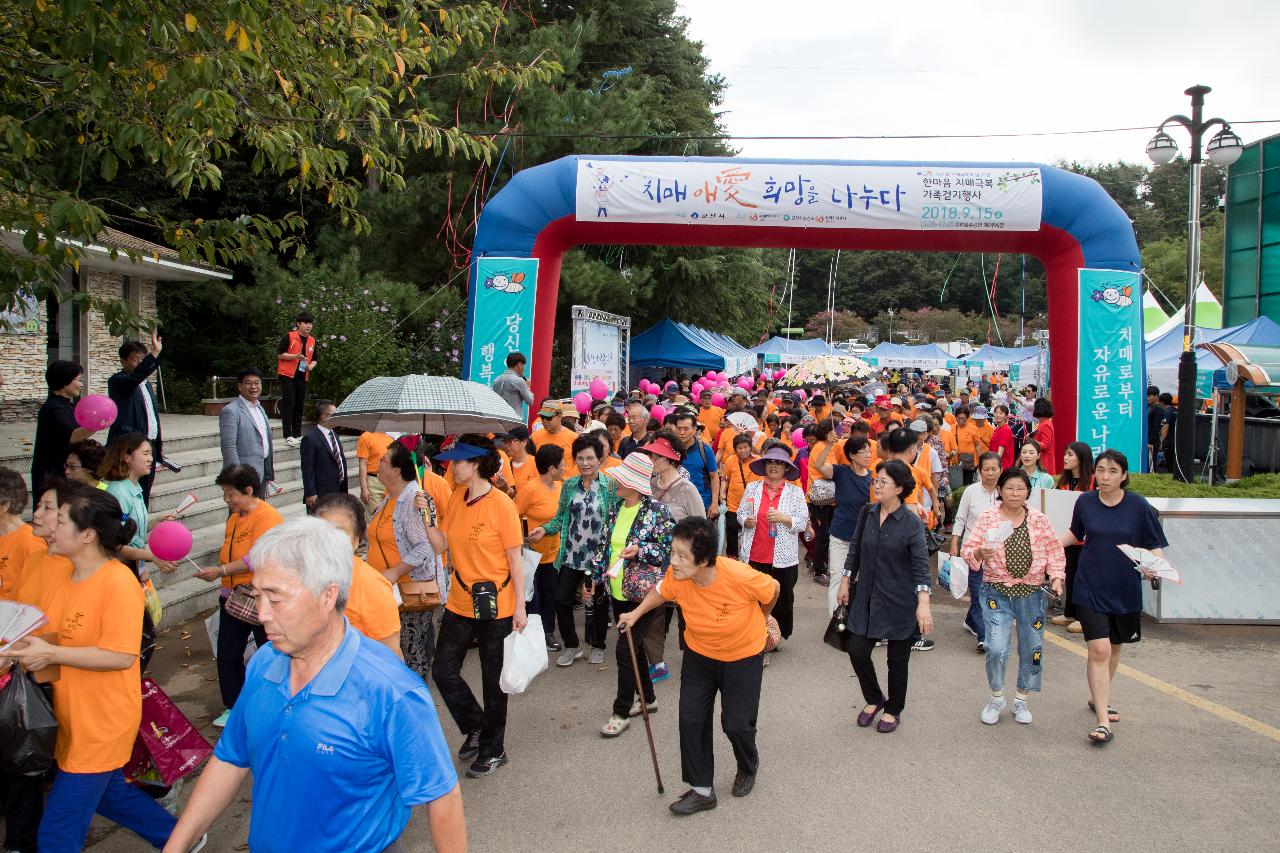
[{"x": 461, "y": 451}]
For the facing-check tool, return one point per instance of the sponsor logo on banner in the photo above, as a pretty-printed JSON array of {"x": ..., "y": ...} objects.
[
  {"x": 720, "y": 192},
  {"x": 1111, "y": 397}
]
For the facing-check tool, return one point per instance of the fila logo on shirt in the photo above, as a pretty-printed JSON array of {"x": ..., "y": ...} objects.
[{"x": 324, "y": 749}]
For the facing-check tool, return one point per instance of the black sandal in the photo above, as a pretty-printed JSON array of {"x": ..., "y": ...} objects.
[
  {"x": 1112, "y": 714},
  {"x": 1099, "y": 741}
]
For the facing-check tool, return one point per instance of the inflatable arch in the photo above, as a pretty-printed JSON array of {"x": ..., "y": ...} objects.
[{"x": 1065, "y": 220}]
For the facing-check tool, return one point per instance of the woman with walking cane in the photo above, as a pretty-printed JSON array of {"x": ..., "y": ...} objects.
[{"x": 725, "y": 604}]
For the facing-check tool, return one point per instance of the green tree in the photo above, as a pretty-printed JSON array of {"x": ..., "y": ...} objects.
[{"x": 324, "y": 99}]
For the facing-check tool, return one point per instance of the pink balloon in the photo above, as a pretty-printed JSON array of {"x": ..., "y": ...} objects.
[
  {"x": 802, "y": 394},
  {"x": 669, "y": 387},
  {"x": 717, "y": 399},
  {"x": 696, "y": 388},
  {"x": 658, "y": 413},
  {"x": 779, "y": 373},
  {"x": 746, "y": 383},
  {"x": 582, "y": 402},
  {"x": 598, "y": 390},
  {"x": 797, "y": 439},
  {"x": 646, "y": 386},
  {"x": 95, "y": 412},
  {"x": 169, "y": 540}
]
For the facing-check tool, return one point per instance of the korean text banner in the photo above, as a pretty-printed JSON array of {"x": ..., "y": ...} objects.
[
  {"x": 502, "y": 317},
  {"x": 1112, "y": 390},
  {"x": 912, "y": 198}
]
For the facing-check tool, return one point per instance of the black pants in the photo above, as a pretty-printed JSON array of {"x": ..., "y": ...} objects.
[
  {"x": 783, "y": 611},
  {"x": 899, "y": 654},
  {"x": 1073, "y": 563},
  {"x": 596, "y": 626},
  {"x": 738, "y": 683},
  {"x": 820, "y": 518},
  {"x": 233, "y": 639},
  {"x": 293, "y": 398},
  {"x": 23, "y": 801},
  {"x": 544, "y": 596},
  {"x": 731, "y": 531},
  {"x": 626, "y": 675},
  {"x": 456, "y": 633}
]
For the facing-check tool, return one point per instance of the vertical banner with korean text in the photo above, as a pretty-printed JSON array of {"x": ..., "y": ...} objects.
[
  {"x": 1111, "y": 405},
  {"x": 501, "y": 315}
]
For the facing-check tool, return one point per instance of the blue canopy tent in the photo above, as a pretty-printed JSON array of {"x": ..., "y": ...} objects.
[
  {"x": 779, "y": 350},
  {"x": 672, "y": 344},
  {"x": 1163, "y": 353},
  {"x": 923, "y": 356},
  {"x": 990, "y": 357}
]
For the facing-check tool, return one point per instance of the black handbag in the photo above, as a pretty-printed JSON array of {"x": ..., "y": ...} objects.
[{"x": 837, "y": 633}]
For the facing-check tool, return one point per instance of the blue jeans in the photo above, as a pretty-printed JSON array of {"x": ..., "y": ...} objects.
[
  {"x": 74, "y": 798},
  {"x": 1000, "y": 612},
  {"x": 974, "y": 617}
]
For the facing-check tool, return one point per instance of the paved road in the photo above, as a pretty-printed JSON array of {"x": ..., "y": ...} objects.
[{"x": 1195, "y": 763}]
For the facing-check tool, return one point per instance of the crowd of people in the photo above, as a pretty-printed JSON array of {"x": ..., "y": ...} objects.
[{"x": 648, "y": 511}]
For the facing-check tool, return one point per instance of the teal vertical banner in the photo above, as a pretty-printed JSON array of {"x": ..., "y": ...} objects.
[
  {"x": 501, "y": 315},
  {"x": 1111, "y": 409}
]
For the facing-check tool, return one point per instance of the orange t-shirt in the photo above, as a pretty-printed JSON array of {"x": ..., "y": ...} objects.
[
  {"x": 537, "y": 504},
  {"x": 522, "y": 474},
  {"x": 723, "y": 620},
  {"x": 479, "y": 532},
  {"x": 724, "y": 443},
  {"x": 737, "y": 475},
  {"x": 564, "y": 438},
  {"x": 383, "y": 551},
  {"x": 985, "y": 431},
  {"x": 242, "y": 532},
  {"x": 15, "y": 549},
  {"x": 440, "y": 490},
  {"x": 36, "y": 573},
  {"x": 710, "y": 417},
  {"x": 969, "y": 439},
  {"x": 372, "y": 446},
  {"x": 98, "y": 712},
  {"x": 371, "y": 605}
]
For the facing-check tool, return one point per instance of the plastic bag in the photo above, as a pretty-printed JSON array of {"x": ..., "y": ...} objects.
[
  {"x": 212, "y": 624},
  {"x": 168, "y": 745},
  {"x": 953, "y": 573},
  {"x": 524, "y": 655},
  {"x": 532, "y": 559},
  {"x": 28, "y": 729}
]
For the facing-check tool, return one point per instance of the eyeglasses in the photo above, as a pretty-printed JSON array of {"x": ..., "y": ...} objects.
[
  {"x": 252, "y": 383},
  {"x": 882, "y": 481},
  {"x": 67, "y": 466}
]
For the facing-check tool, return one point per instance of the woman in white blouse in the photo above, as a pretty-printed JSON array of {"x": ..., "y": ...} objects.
[
  {"x": 773, "y": 513},
  {"x": 975, "y": 500}
]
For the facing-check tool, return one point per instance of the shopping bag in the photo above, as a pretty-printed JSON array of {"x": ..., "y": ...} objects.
[
  {"x": 532, "y": 559},
  {"x": 953, "y": 573},
  {"x": 524, "y": 655},
  {"x": 28, "y": 729},
  {"x": 168, "y": 746}
]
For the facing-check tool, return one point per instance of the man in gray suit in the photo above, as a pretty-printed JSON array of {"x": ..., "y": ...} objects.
[{"x": 243, "y": 429}]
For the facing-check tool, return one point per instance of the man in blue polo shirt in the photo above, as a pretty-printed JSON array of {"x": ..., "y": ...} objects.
[{"x": 342, "y": 738}]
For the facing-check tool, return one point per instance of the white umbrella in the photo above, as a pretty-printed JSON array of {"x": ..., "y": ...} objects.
[
  {"x": 939, "y": 371},
  {"x": 433, "y": 405},
  {"x": 825, "y": 370}
]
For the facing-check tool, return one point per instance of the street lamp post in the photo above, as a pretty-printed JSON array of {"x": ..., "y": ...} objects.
[{"x": 1223, "y": 150}]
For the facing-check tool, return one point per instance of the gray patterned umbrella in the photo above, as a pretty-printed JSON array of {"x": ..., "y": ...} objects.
[{"x": 434, "y": 405}]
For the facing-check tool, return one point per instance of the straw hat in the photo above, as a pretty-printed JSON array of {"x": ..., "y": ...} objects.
[{"x": 634, "y": 472}]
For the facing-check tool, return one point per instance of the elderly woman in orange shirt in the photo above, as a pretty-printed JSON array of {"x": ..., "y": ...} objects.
[{"x": 371, "y": 604}]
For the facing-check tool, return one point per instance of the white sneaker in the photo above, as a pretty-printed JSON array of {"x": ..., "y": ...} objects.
[
  {"x": 568, "y": 656},
  {"x": 991, "y": 713},
  {"x": 293, "y": 442},
  {"x": 1021, "y": 714},
  {"x": 596, "y": 656}
]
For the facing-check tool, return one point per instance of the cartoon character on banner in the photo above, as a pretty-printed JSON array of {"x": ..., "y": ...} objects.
[
  {"x": 602, "y": 183},
  {"x": 505, "y": 282},
  {"x": 1121, "y": 297}
]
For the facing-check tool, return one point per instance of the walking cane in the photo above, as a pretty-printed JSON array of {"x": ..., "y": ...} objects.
[{"x": 644, "y": 708}]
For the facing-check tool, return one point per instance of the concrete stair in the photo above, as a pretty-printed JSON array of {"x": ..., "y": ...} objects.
[{"x": 192, "y": 442}]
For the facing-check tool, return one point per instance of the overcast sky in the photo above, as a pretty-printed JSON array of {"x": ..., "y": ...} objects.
[{"x": 830, "y": 67}]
